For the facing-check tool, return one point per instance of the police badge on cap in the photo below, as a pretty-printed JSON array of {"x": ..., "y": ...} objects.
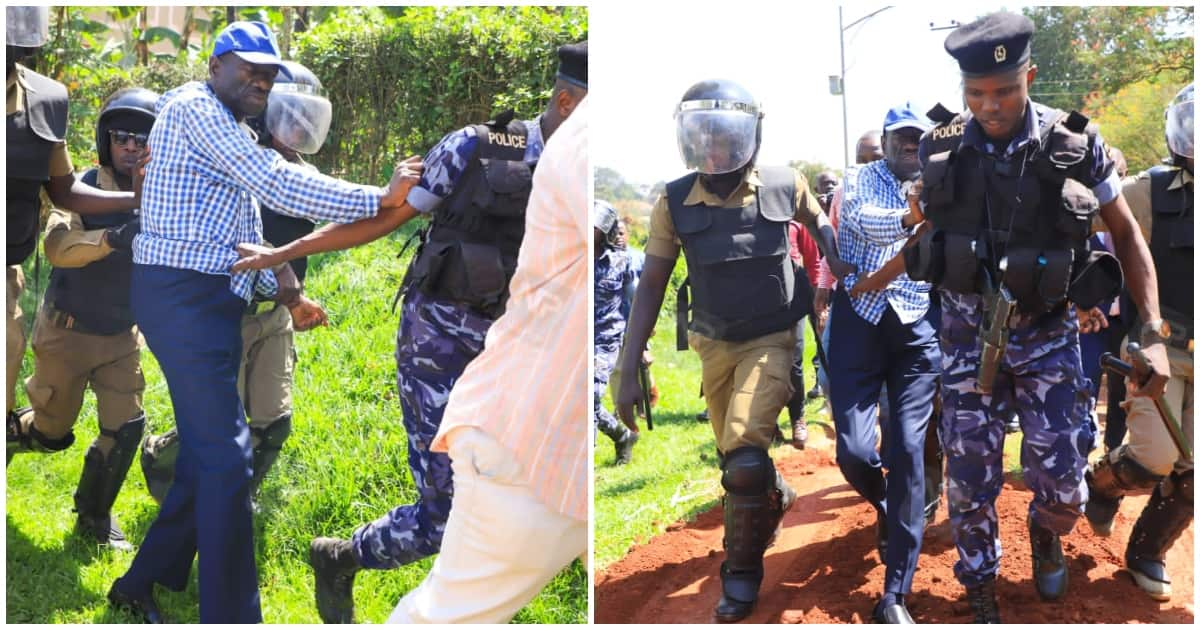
[{"x": 994, "y": 43}]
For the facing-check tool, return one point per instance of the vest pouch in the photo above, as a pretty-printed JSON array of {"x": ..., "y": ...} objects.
[
  {"x": 504, "y": 178},
  {"x": 426, "y": 269},
  {"x": 486, "y": 279},
  {"x": 1038, "y": 279},
  {"x": 1100, "y": 279},
  {"x": 961, "y": 264},
  {"x": 1079, "y": 205},
  {"x": 1065, "y": 148},
  {"x": 938, "y": 178},
  {"x": 926, "y": 259}
]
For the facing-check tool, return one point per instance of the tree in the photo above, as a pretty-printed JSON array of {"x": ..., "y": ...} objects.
[
  {"x": 1081, "y": 51},
  {"x": 611, "y": 186},
  {"x": 811, "y": 169},
  {"x": 1132, "y": 120}
]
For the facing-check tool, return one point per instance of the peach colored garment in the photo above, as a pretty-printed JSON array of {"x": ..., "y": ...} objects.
[{"x": 529, "y": 387}]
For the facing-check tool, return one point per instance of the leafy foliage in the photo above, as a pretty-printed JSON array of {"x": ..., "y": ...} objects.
[
  {"x": 1084, "y": 50},
  {"x": 1132, "y": 120}
]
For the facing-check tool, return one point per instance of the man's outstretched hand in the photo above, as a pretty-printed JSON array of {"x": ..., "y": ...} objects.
[{"x": 406, "y": 175}]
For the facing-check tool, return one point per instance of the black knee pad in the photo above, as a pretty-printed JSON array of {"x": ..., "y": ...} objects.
[
  {"x": 129, "y": 435},
  {"x": 48, "y": 445},
  {"x": 272, "y": 436},
  {"x": 748, "y": 471}
]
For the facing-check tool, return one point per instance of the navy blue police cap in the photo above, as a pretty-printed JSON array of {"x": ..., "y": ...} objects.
[
  {"x": 572, "y": 63},
  {"x": 994, "y": 43}
]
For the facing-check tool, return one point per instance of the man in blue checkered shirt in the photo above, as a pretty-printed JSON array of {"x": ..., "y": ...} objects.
[
  {"x": 879, "y": 337},
  {"x": 200, "y": 200}
]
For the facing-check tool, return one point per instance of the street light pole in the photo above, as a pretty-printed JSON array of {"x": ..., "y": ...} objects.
[
  {"x": 842, "y": 47},
  {"x": 845, "y": 115}
]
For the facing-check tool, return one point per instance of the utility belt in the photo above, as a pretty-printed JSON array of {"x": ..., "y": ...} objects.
[
  {"x": 1040, "y": 279},
  {"x": 471, "y": 274},
  {"x": 67, "y": 321}
]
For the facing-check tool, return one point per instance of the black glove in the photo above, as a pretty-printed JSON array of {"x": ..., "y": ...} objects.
[{"x": 120, "y": 238}]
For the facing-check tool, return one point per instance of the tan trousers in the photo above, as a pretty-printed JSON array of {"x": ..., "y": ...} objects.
[
  {"x": 1148, "y": 441},
  {"x": 746, "y": 385},
  {"x": 15, "y": 332},
  {"x": 67, "y": 362},
  {"x": 268, "y": 360}
]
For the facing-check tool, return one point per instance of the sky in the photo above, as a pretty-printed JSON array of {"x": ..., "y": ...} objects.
[{"x": 783, "y": 53}]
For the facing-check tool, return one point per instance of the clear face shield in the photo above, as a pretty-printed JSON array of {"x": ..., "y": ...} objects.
[
  {"x": 604, "y": 218},
  {"x": 1180, "y": 125},
  {"x": 298, "y": 116},
  {"x": 716, "y": 136},
  {"x": 27, "y": 27}
]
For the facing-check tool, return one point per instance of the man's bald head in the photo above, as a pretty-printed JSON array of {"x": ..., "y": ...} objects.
[{"x": 869, "y": 147}]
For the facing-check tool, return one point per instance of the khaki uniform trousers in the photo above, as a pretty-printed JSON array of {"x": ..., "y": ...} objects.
[
  {"x": 268, "y": 360},
  {"x": 746, "y": 386},
  {"x": 1148, "y": 440},
  {"x": 67, "y": 362},
  {"x": 14, "y": 331}
]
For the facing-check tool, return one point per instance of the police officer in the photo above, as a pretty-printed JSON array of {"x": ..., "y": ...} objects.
[
  {"x": 296, "y": 122},
  {"x": 36, "y": 112},
  {"x": 1162, "y": 200},
  {"x": 730, "y": 217},
  {"x": 475, "y": 188},
  {"x": 84, "y": 335},
  {"x": 613, "y": 276},
  {"x": 1010, "y": 188}
]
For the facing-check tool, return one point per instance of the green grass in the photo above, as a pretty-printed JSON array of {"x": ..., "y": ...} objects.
[
  {"x": 344, "y": 465},
  {"x": 674, "y": 473}
]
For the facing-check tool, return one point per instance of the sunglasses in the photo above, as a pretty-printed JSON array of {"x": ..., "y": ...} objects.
[{"x": 122, "y": 137}]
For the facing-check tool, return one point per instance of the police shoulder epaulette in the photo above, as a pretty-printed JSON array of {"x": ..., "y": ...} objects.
[{"x": 501, "y": 120}]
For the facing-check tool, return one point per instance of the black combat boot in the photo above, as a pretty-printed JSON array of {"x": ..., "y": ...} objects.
[
  {"x": 158, "y": 463},
  {"x": 270, "y": 442},
  {"x": 22, "y": 437},
  {"x": 982, "y": 599},
  {"x": 1049, "y": 566},
  {"x": 100, "y": 483},
  {"x": 623, "y": 441},
  {"x": 334, "y": 567},
  {"x": 755, "y": 501},
  {"x": 1108, "y": 480},
  {"x": 1166, "y": 516}
]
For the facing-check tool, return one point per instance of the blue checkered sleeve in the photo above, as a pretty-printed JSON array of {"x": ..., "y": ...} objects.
[{"x": 870, "y": 234}]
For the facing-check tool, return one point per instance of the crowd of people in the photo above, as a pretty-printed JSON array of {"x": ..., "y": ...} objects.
[{"x": 965, "y": 260}]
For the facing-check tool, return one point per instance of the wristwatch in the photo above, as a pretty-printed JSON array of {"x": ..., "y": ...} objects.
[{"x": 1155, "y": 331}]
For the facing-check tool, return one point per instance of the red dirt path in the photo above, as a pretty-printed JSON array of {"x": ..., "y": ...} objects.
[{"x": 823, "y": 566}]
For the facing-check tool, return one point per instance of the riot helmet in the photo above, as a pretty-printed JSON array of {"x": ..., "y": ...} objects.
[
  {"x": 129, "y": 109},
  {"x": 1180, "y": 127},
  {"x": 718, "y": 126},
  {"x": 298, "y": 112},
  {"x": 26, "y": 27},
  {"x": 604, "y": 218}
]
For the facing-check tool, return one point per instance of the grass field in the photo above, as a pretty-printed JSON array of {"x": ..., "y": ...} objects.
[
  {"x": 674, "y": 474},
  {"x": 344, "y": 465}
]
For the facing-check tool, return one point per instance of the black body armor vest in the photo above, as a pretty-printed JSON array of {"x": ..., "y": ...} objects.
[
  {"x": 1171, "y": 238},
  {"x": 31, "y": 135},
  {"x": 96, "y": 294},
  {"x": 470, "y": 252},
  {"x": 281, "y": 229},
  {"x": 1029, "y": 208},
  {"x": 742, "y": 279}
]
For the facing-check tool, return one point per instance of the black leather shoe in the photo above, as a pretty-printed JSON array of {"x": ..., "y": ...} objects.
[
  {"x": 142, "y": 605},
  {"x": 893, "y": 613},
  {"x": 729, "y": 610},
  {"x": 1049, "y": 566}
]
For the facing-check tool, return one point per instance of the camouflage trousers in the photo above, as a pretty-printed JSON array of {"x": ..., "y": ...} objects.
[
  {"x": 435, "y": 342},
  {"x": 604, "y": 361},
  {"x": 1041, "y": 379}
]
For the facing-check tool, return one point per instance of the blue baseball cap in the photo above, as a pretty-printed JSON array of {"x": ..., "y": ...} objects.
[
  {"x": 905, "y": 116},
  {"x": 253, "y": 42}
]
